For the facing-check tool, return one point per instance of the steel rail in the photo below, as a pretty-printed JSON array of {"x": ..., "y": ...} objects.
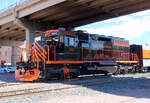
[{"x": 39, "y": 90}]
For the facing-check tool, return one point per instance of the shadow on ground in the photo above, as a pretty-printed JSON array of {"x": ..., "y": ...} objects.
[
  {"x": 121, "y": 86},
  {"x": 8, "y": 78}
]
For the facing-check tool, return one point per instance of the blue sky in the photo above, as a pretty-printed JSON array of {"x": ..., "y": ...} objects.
[
  {"x": 134, "y": 27},
  {"x": 5, "y": 3}
]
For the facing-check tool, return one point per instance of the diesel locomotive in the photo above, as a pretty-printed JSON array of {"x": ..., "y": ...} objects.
[{"x": 68, "y": 54}]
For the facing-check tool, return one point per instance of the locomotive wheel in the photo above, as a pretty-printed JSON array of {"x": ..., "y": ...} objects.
[
  {"x": 126, "y": 71},
  {"x": 117, "y": 72},
  {"x": 61, "y": 77},
  {"x": 74, "y": 75},
  {"x": 40, "y": 80},
  {"x": 106, "y": 74}
]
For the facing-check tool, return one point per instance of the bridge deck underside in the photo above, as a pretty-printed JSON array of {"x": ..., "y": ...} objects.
[{"x": 74, "y": 13}]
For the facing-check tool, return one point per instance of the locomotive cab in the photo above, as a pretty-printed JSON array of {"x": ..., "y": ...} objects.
[{"x": 51, "y": 37}]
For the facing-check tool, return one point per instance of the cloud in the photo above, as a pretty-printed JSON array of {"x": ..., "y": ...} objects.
[
  {"x": 114, "y": 20},
  {"x": 142, "y": 13},
  {"x": 118, "y": 19},
  {"x": 127, "y": 27}
]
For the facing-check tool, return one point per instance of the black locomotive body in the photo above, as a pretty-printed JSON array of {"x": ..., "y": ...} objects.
[{"x": 61, "y": 52}]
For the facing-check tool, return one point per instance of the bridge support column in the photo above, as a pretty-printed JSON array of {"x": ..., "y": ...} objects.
[
  {"x": 13, "y": 55},
  {"x": 30, "y": 35},
  {"x": 30, "y": 29}
]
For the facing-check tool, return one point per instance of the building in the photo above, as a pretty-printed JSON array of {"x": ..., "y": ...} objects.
[{"x": 5, "y": 54}]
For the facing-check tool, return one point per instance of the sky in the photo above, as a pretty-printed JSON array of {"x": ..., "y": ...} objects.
[
  {"x": 6, "y": 3},
  {"x": 134, "y": 27}
]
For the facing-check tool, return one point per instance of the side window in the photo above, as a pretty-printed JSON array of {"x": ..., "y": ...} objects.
[
  {"x": 71, "y": 41},
  {"x": 85, "y": 45},
  {"x": 66, "y": 40},
  {"x": 61, "y": 39},
  {"x": 76, "y": 42}
]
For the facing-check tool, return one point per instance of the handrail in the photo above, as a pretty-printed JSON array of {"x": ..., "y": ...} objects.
[
  {"x": 12, "y": 6},
  {"x": 102, "y": 55}
]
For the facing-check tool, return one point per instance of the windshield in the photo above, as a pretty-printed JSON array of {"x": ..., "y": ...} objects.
[
  {"x": 53, "y": 33},
  {"x": 54, "y": 38},
  {"x": 51, "y": 36}
]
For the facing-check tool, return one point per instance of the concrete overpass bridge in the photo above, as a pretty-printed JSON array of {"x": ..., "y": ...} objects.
[{"x": 25, "y": 21}]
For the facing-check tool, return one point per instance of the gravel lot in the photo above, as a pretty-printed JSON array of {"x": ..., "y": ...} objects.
[{"x": 131, "y": 88}]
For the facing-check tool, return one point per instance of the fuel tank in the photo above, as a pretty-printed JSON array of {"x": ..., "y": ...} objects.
[{"x": 109, "y": 69}]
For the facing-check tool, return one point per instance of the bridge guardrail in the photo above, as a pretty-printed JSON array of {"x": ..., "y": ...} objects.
[{"x": 12, "y": 6}]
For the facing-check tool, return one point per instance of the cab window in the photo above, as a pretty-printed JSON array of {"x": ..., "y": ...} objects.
[
  {"x": 66, "y": 40},
  {"x": 54, "y": 33},
  {"x": 61, "y": 39},
  {"x": 70, "y": 41}
]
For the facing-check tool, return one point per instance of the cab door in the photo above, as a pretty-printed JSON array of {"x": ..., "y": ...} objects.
[{"x": 71, "y": 50}]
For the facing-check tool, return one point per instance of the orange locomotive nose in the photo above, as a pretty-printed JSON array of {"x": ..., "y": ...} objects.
[{"x": 29, "y": 75}]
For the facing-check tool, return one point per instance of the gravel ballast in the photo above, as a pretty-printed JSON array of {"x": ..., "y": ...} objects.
[{"x": 130, "y": 88}]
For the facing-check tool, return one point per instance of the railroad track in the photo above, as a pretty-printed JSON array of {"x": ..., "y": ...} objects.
[
  {"x": 9, "y": 84},
  {"x": 45, "y": 90}
]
